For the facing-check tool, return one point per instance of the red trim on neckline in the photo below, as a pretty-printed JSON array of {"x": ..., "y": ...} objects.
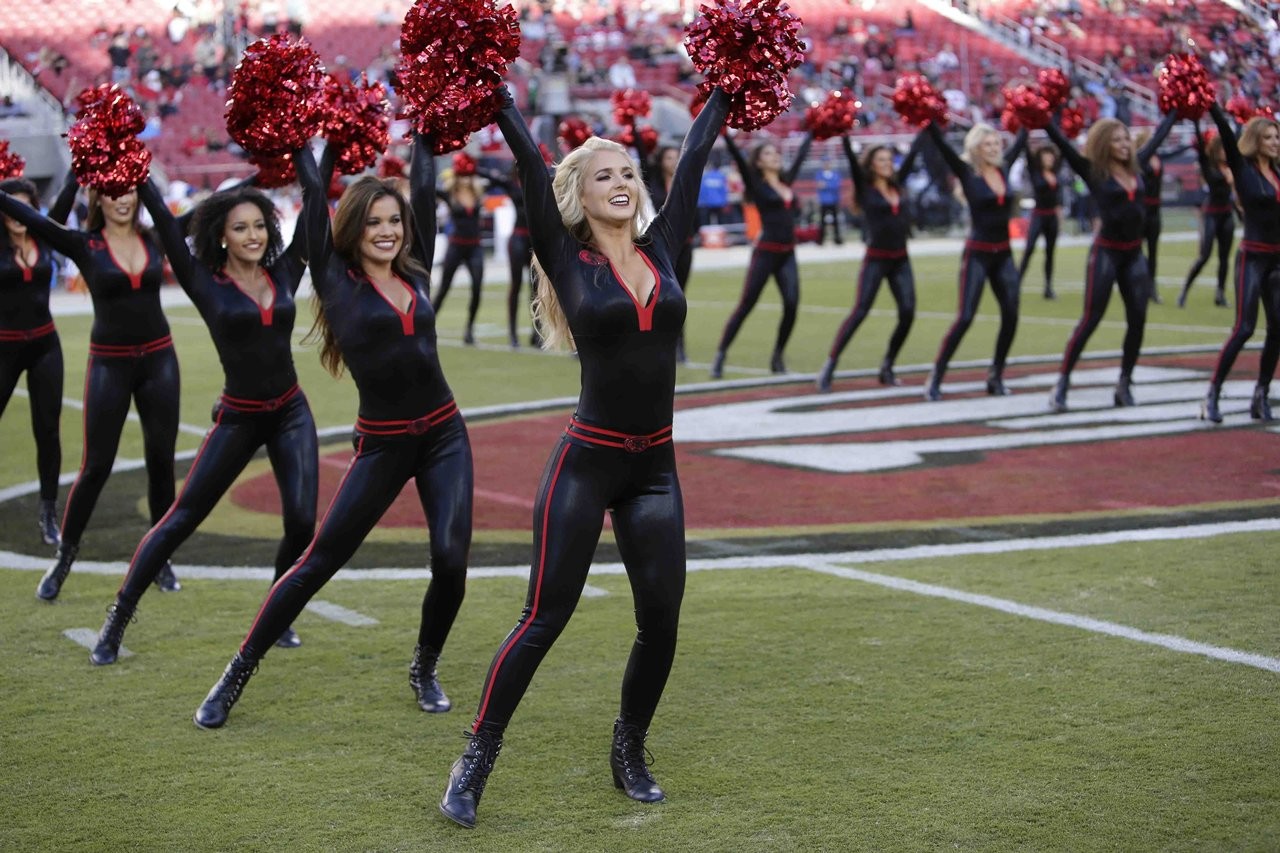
[
  {"x": 135, "y": 279},
  {"x": 265, "y": 312},
  {"x": 644, "y": 313},
  {"x": 406, "y": 316}
]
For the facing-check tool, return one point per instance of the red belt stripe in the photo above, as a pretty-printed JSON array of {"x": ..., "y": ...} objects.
[
  {"x": 417, "y": 426},
  {"x": 885, "y": 254},
  {"x": 27, "y": 334},
  {"x": 1118, "y": 245},
  {"x": 252, "y": 407},
  {"x": 621, "y": 440},
  {"x": 1265, "y": 248},
  {"x": 986, "y": 247},
  {"x": 775, "y": 247},
  {"x": 130, "y": 350}
]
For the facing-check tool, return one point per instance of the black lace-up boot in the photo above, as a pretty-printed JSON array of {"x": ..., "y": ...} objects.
[
  {"x": 51, "y": 583},
  {"x": 468, "y": 777},
  {"x": 1209, "y": 408},
  {"x": 1058, "y": 397},
  {"x": 112, "y": 634},
  {"x": 887, "y": 376},
  {"x": 1124, "y": 391},
  {"x": 717, "y": 366},
  {"x": 422, "y": 678},
  {"x": 630, "y": 770},
  {"x": 166, "y": 580},
  {"x": 826, "y": 375},
  {"x": 48, "y": 522},
  {"x": 776, "y": 364},
  {"x": 995, "y": 382},
  {"x": 212, "y": 713},
  {"x": 1260, "y": 407}
]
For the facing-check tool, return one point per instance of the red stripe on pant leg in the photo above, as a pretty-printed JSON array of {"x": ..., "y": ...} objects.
[
  {"x": 190, "y": 473},
  {"x": 84, "y": 446},
  {"x": 537, "y": 594},
  {"x": 307, "y": 553}
]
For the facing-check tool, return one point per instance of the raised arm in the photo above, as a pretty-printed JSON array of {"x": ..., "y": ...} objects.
[
  {"x": 680, "y": 211},
  {"x": 1078, "y": 163},
  {"x": 171, "y": 238},
  {"x": 315, "y": 215},
  {"x": 855, "y": 169},
  {"x": 958, "y": 167},
  {"x": 801, "y": 153},
  {"x": 546, "y": 229},
  {"x": 422, "y": 198},
  {"x": 908, "y": 164},
  {"x": 1157, "y": 137},
  {"x": 65, "y": 240},
  {"x": 1016, "y": 149},
  {"x": 61, "y": 207},
  {"x": 748, "y": 174},
  {"x": 1230, "y": 147}
]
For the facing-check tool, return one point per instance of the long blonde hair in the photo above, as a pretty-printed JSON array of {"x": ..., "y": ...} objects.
[
  {"x": 548, "y": 314},
  {"x": 973, "y": 139},
  {"x": 1251, "y": 137}
]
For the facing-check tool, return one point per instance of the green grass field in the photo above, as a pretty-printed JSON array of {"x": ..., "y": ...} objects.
[{"x": 810, "y": 708}]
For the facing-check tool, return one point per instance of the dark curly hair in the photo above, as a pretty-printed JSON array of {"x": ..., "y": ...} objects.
[
  {"x": 17, "y": 186},
  {"x": 210, "y": 221}
]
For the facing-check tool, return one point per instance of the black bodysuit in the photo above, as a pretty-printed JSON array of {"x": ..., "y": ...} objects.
[
  {"x": 464, "y": 249},
  {"x": 617, "y": 454},
  {"x": 261, "y": 404},
  {"x": 1217, "y": 224},
  {"x": 1045, "y": 220},
  {"x": 131, "y": 357}
]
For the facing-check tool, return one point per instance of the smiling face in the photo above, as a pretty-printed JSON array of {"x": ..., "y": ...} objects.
[
  {"x": 119, "y": 210},
  {"x": 769, "y": 159},
  {"x": 1121, "y": 145},
  {"x": 15, "y": 228},
  {"x": 610, "y": 190},
  {"x": 1269, "y": 142},
  {"x": 991, "y": 149},
  {"x": 245, "y": 234},
  {"x": 383, "y": 233},
  {"x": 882, "y": 164}
]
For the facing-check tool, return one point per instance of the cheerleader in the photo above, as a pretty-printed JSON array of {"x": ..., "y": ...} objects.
[
  {"x": 1255, "y": 168},
  {"x": 1043, "y": 165},
  {"x": 373, "y": 316},
  {"x": 519, "y": 255},
  {"x": 879, "y": 192},
  {"x": 463, "y": 195},
  {"x": 768, "y": 186},
  {"x": 29, "y": 341},
  {"x": 1109, "y": 167},
  {"x": 1217, "y": 216},
  {"x": 983, "y": 174},
  {"x": 659, "y": 172},
  {"x": 609, "y": 289},
  {"x": 243, "y": 281},
  {"x": 131, "y": 358}
]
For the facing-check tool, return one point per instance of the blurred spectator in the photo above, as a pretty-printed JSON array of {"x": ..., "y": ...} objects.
[
  {"x": 622, "y": 75},
  {"x": 118, "y": 51},
  {"x": 178, "y": 26}
]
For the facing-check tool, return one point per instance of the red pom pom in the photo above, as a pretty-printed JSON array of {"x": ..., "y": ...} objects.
[
  {"x": 915, "y": 99},
  {"x": 356, "y": 122},
  {"x": 274, "y": 170},
  {"x": 391, "y": 167},
  {"x": 643, "y": 139},
  {"x": 833, "y": 117},
  {"x": 629, "y": 105},
  {"x": 747, "y": 49},
  {"x": 11, "y": 163},
  {"x": 1054, "y": 86},
  {"x": 464, "y": 165},
  {"x": 275, "y": 102},
  {"x": 1239, "y": 107},
  {"x": 455, "y": 54},
  {"x": 1184, "y": 86},
  {"x": 1024, "y": 106},
  {"x": 105, "y": 151},
  {"x": 573, "y": 132},
  {"x": 1071, "y": 121}
]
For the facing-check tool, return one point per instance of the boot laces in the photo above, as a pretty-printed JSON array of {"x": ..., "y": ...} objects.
[
  {"x": 240, "y": 672},
  {"x": 477, "y": 762},
  {"x": 634, "y": 754},
  {"x": 117, "y": 619}
]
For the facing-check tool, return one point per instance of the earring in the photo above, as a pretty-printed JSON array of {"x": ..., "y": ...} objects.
[{"x": 224, "y": 244}]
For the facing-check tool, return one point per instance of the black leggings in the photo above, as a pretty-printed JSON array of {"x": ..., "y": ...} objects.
[
  {"x": 1046, "y": 224},
  {"x": 1127, "y": 269},
  {"x": 289, "y": 435},
  {"x": 902, "y": 284},
  {"x": 519, "y": 256},
  {"x": 455, "y": 256},
  {"x": 976, "y": 268},
  {"x": 1214, "y": 228},
  {"x": 642, "y": 493},
  {"x": 1257, "y": 280},
  {"x": 42, "y": 360},
  {"x": 439, "y": 463},
  {"x": 766, "y": 263},
  {"x": 1152, "y": 226},
  {"x": 152, "y": 382}
]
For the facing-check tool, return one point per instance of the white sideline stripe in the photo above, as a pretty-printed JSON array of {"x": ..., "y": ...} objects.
[
  {"x": 338, "y": 613},
  {"x": 590, "y": 591},
  {"x": 1167, "y": 641},
  {"x": 88, "y": 638}
]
